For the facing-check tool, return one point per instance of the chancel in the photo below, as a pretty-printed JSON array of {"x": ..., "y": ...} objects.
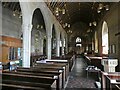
[{"x": 60, "y": 44}]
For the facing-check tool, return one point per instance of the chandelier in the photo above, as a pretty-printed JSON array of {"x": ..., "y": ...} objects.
[{"x": 58, "y": 11}]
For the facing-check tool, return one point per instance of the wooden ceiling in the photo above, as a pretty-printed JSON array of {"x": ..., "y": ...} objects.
[
  {"x": 84, "y": 12},
  {"x": 75, "y": 12},
  {"x": 14, "y": 6}
]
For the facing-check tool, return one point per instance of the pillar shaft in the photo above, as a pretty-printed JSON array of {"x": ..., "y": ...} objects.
[
  {"x": 66, "y": 46},
  {"x": 26, "y": 44},
  {"x": 58, "y": 47},
  {"x": 63, "y": 50},
  {"x": 49, "y": 47}
]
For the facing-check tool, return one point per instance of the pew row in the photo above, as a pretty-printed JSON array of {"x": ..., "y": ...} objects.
[
  {"x": 110, "y": 80},
  {"x": 94, "y": 61},
  {"x": 28, "y": 80},
  {"x": 70, "y": 59},
  {"x": 17, "y": 87},
  {"x": 57, "y": 63},
  {"x": 45, "y": 72}
]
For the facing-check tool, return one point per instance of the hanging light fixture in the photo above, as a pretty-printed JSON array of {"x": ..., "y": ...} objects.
[
  {"x": 63, "y": 11},
  {"x": 107, "y": 7},
  {"x": 41, "y": 26},
  {"x": 66, "y": 24},
  {"x": 100, "y": 6},
  {"x": 38, "y": 26},
  {"x": 90, "y": 24},
  {"x": 69, "y": 25},
  {"x": 58, "y": 11},
  {"x": 98, "y": 11},
  {"x": 94, "y": 23}
]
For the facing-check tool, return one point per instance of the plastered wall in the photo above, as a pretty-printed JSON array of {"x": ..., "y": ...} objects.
[{"x": 112, "y": 19}]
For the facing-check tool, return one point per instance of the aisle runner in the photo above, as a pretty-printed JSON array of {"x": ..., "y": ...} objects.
[
  {"x": 80, "y": 82},
  {"x": 78, "y": 79}
]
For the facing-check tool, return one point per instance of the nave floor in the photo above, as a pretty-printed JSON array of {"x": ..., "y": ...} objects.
[{"x": 78, "y": 78}]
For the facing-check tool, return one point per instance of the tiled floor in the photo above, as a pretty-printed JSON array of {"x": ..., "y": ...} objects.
[{"x": 78, "y": 78}]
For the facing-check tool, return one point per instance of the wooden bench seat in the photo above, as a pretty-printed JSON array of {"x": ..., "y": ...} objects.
[
  {"x": 19, "y": 87},
  {"x": 64, "y": 65},
  {"x": 70, "y": 59},
  {"x": 110, "y": 80},
  {"x": 35, "y": 74},
  {"x": 94, "y": 61},
  {"x": 27, "y": 84},
  {"x": 60, "y": 66},
  {"x": 45, "y": 72},
  {"x": 29, "y": 78},
  {"x": 56, "y": 77}
]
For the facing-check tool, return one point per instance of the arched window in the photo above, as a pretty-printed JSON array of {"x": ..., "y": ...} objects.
[
  {"x": 104, "y": 38},
  {"x": 96, "y": 42},
  {"x": 78, "y": 41}
]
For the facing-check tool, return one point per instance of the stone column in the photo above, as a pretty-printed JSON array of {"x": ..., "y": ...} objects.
[
  {"x": 26, "y": 44},
  {"x": 63, "y": 53},
  {"x": 66, "y": 45},
  {"x": 58, "y": 46},
  {"x": 33, "y": 42},
  {"x": 49, "y": 47}
]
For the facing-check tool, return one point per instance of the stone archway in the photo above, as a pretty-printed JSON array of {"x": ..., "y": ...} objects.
[
  {"x": 53, "y": 41},
  {"x": 39, "y": 31}
]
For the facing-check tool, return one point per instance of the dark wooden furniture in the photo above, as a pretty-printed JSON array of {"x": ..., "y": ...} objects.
[
  {"x": 29, "y": 80},
  {"x": 110, "y": 81}
]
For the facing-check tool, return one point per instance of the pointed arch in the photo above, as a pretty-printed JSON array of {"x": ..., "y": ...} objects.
[{"x": 105, "y": 40}]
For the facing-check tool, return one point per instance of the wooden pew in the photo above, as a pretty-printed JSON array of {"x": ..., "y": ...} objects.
[
  {"x": 37, "y": 81},
  {"x": 15, "y": 85},
  {"x": 60, "y": 66},
  {"x": 65, "y": 66},
  {"x": 56, "y": 77},
  {"x": 95, "y": 61},
  {"x": 87, "y": 59},
  {"x": 110, "y": 80},
  {"x": 45, "y": 72},
  {"x": 35, "y": 58},
  {"x": 55, "y": 64},
  {"x": 70, "y": 59}
]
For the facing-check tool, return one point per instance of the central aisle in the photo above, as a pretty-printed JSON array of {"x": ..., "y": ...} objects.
[{"x": 78, "y": 78}]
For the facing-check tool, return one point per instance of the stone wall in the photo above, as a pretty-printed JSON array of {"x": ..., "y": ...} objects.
[
  {"x": 112, "y": 20},
  {"x": 11, "y": 25}
]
